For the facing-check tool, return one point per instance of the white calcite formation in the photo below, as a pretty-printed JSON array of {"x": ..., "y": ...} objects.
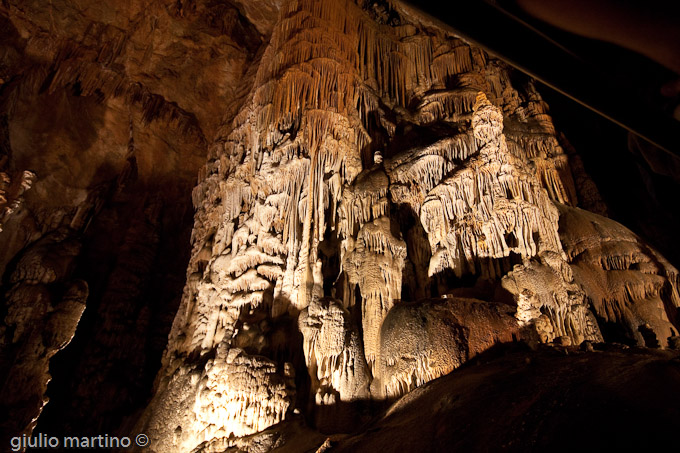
[
  {"x": 373, "y": 263},
  {"x": 633, "y": 290},
  {"x": 240, "y": 394},
  {"x": 334, "y": 356},
  {"x": 375, "y": 159},
  {"x": 549, "y": 299},
  {"x": 491, "y": 207}
]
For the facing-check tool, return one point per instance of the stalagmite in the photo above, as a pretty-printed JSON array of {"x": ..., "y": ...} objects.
[
  {"x": 374, "y": 263},
  {"x": 372, "y": 160},
  {"x": 334, "y": 356}
]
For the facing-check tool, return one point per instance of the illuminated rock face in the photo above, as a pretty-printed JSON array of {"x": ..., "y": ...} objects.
[
  {"x": 380, "y": 203},
  {"x": 423, "y": 340},
  {"x": 370, "y": 163},
  {"x": 632, "y": 289}
]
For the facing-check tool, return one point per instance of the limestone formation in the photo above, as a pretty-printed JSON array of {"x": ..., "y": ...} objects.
[
  {"x": 632, "y": 289},
  {"x": 378, "y": 203},
  {"x": 424, "y": 340},
  {"x": 103, "y": 117},
  {"x": 316, "y": 204},
  {"x": 43, "y": 308},
  {"x": 335, "y": 359}
]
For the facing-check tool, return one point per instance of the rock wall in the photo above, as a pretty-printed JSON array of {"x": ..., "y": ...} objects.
[
  {"x": 104, "y": 114},
  {"x": 378, "y": 202},
  {"x": 375, "y": 160}
]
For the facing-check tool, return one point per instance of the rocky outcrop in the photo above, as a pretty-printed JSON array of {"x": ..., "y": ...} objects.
[
  {"x": 43, "y": 307},
  {"x": 375, "y": 159},
  {"x": 421, "y": 341},
  {"x": 632, "y": 289},
  {"x": 378, "y": 203},
  {"x": 104, "y": 113}
]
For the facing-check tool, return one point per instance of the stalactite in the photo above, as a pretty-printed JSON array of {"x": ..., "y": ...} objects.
[
  {"x": 489, "y": 208},
  {"x": 452, "y": 61},
  {"x": 627, "y": 282},
  {"x": 450, "y": 105},
  {"x": 333, "y": 349},
  {"x": 427, "y": 166},
  {"x": 299, "y": 210},
  {"x": 374, "y": 263}
]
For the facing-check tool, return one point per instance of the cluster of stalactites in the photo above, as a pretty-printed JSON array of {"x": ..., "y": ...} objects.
[
  {"x": 627, "y": 282},
  {"x": 414, "y": 173},
  {"x": 362, "y": 202},
  {"x": 372, "y": 257},
  {"x": 489, "y": 208},
  {"x": 331, "y": 56},
  {"x": 374, "y": 262},
  {"x": 551, "y": 300},
  {"x": 289, "y": 169},
  {"x": 262, "y": 201},
  {"x": 543, "y": 154},
  {"x": 333, "y": 353},
  {"x": 238, "y": 395}
]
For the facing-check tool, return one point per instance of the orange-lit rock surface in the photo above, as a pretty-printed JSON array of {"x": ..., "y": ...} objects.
[{"x": 251, "y": 215}]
